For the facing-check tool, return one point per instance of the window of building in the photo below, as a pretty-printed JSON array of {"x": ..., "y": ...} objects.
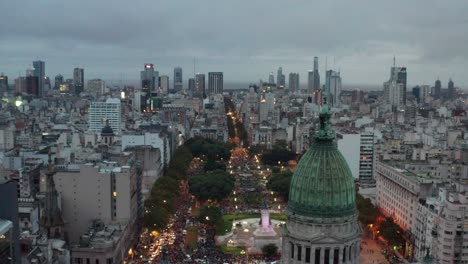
[{"x": 307, "y": 255}]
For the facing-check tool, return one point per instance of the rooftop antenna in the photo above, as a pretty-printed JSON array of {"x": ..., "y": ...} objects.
[
  {"x": 394, "y": 61},
  {"x": 334, "y": 63}
]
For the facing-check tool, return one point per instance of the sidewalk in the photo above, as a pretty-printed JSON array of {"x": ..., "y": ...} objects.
[{"x": 371, "y": 253}]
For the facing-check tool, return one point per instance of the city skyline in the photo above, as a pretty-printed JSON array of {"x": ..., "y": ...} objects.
[{"x": 360, "y": 50}]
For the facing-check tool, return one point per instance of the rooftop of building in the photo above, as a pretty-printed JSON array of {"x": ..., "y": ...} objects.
[{"x": 100, "y": 237}]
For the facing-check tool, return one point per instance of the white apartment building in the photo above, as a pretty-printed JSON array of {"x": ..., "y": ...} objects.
[
  {"x": 100, "y": 112},
  {"x": 7, "y": 139},
  {"x": 106, "y": 191},
  {"x": 442, "y": 229},
  {"x": 149, "y": 139},
  {"x": 398, "y": 193}
]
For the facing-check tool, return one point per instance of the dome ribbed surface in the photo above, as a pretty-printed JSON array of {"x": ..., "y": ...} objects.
[
  {"x": 322, "y": 185},
  {"x": 107, "y": 130}
]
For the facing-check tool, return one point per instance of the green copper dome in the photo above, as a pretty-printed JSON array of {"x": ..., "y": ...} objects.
[{"x": 322, "y": 185}]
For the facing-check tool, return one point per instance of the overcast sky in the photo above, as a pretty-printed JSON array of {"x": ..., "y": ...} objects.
[{"x": 246, "y": 39}]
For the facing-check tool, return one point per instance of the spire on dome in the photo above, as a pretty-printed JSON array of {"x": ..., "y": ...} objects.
[{"x": 325, "y": 132}]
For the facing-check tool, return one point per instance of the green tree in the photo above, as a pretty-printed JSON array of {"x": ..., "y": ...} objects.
[
  {"x": 212, "y": 165},
  {"x": 211, "y": 215},
  {"x": 368, "y": 213},
  {"x": 275, "y": 155},
  {"x": 269, "y": 250},
  {"x": 391, "y": 232},
  {"x": 280, "y": 182},
  {"x": 212, "y": 185}
]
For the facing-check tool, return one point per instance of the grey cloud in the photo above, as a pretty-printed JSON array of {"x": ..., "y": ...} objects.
[{"x": 245, "y": 39}]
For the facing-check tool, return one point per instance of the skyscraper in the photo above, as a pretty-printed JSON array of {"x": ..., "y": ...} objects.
[
  {"x": 3, "y": 83},
  {"x": 271, "y": 78},
  {"x": 200, "y": 85},
  {"x": 451, "y": 90},
  {"x": 191, "y": 85},
  {"x": 310, "y": 82},
  {"x": 148, "y": 78},
  {"x": 437, "y": 89},
  {"x": 401, "y": 78},
  {"x": 215, "y": 83},
  {"x": 293, "y": 82},
  {"x": 32, "y": 85},
  {"x": 78, "y": 80},
  {"x": 395, "y": 87},
  {"x": 322, "y": 224},
  {"x": 58, "y": 81},
  {"x": 316, "y": 85},
  {"x": 333, "y": 87},
  {"x": 178, "y": 80},
  {"x": 39, "y": 72},
  {"x": 280, "y": 78},
  {"x": 164, "y": 84}
]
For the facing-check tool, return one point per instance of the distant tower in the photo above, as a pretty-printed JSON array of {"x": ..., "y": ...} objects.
[
  {"x": 58, "y": 81},
  {"x": 178, "y": 80},
  {"x": 316, "y": 84},
  {"x": 3, "y": 83},
  {"x": 39, "y": 72},
  {"x": 149, "y": 78},
  {"x": 164, "y": 84},
  {"x": 333, "y": 87},
  {"x": 451, "y": 90},
  {"x": 437, "y": 89},
  {"x": 293, "y": 82},
  {"x": 215, "y": 83},
  {"x": 200, "y": 85},
  {"x": 310, "y": 82},
  {"x": 271, "y": 78},
  {"x": 78, "y": 80},
  {"x": 280, "y": 78},
  {"x": 395, "y": 87}
]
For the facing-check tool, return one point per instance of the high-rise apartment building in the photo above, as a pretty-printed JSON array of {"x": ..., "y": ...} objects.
[
  {"x": 178, "y": 79},
  {"x": 333, "y": 87},
  {"x": 200, "y": 85},
  {"x": 101, "y": 112},
  {"x": 104, "y": 191},
  {"x": 215, "y": 83},
  {"x": 280, "y": 78},
  {"x": 149, "y": 78},
  {"x": 3, "y": 83},
  {"x": 78, "y": 80},
  {"x": 164, "y": 84},
  {"x": 39, "y": 72},
  {"x": 293, "y": 82}
]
